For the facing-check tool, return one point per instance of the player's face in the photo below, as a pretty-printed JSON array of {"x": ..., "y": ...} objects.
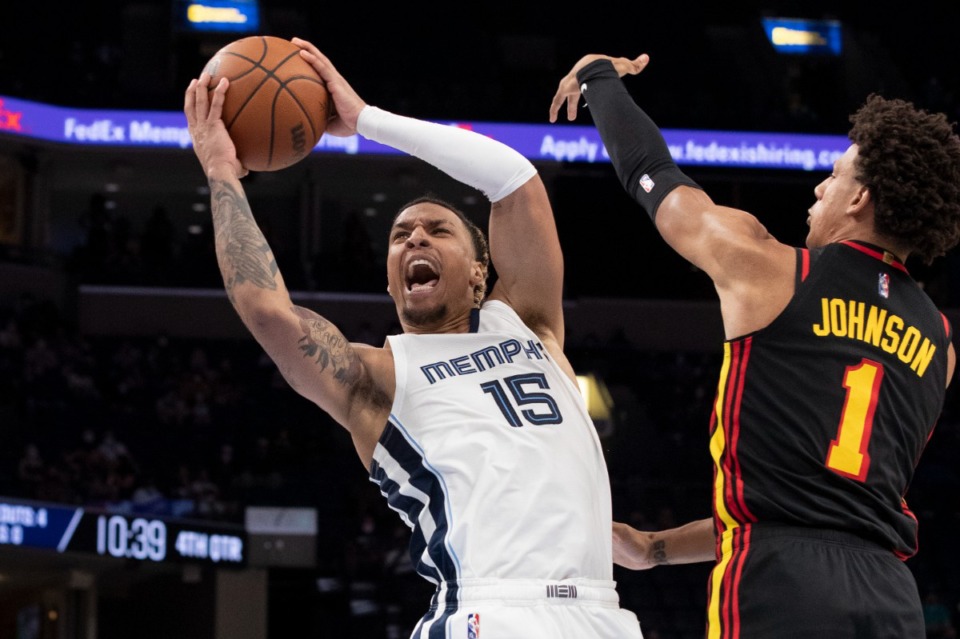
[
  {"x": 431, "y": 267},
  {"x": 830, "y": 218}
]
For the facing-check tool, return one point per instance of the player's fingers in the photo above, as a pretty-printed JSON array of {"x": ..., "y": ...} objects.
[
  {"x": 557, "y": 102},
  {"x": 312, "y": 50},
  {"x": 573, "y": 101},
  {"x": 323, "y": 66},
  {"x": 190, "y": 102},
  {"x": 216, "y": 103},
  {"x": 306, "y": 45},
  {"x": 553, "y": 110},
  {"x": 201, "y": 92},
  {"x": 640, "y": 63}
]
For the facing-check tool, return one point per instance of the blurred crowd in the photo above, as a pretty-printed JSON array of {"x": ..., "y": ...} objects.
[
  {"x": 204, "y": 428},
  {"x": 199, "y": 428}
]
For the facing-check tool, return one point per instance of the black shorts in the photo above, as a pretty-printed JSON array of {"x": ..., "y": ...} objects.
[{"x": 786, "y": 582}]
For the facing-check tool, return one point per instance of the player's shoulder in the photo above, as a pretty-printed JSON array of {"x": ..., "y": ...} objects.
[
  {"x": 498, "y": 311},
  {"x": 364, "y": 348},
  {"x": 759, "y": 257},
  {"x": 494, "y": 305}
]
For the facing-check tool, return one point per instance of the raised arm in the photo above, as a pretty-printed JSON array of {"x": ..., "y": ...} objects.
[
  {"x": 310, "y": 352},
  {"x": 744, "y": 261},
  {"x": 524, "y": 246},
  {"x": 525, "y": 250},
  {"x": 640, "y": 156}
]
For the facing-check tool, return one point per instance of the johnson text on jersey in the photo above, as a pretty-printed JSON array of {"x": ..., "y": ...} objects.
[{"x": 877, "y": 327}]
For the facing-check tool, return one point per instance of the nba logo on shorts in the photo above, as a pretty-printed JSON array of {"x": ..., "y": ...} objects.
[
  {"x": 883, "y": 285},
  {"x": 473, "y": 625}
]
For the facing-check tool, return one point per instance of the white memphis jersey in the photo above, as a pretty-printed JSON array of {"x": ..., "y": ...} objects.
[{"x": 491, "y": 458}]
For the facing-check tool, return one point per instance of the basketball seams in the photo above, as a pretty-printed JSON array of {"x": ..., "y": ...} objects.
[
  {"x": 270, "y": 73},
  {"x": 296, "y": 99},
  {"x": 291, "y": 94},
  {"x": 279, "y": 110},
  {"x": 273, "y": 124}
]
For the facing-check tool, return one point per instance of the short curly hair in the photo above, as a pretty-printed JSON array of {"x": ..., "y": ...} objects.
[
  {"x": 481, "y": 248},
  {"x": 910, "y": 160}
]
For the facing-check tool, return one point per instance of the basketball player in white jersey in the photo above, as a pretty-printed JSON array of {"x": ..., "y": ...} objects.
[{"x": 471, "y": 421}]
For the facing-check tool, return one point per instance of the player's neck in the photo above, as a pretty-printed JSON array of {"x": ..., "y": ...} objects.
[{"x": 458, "y": 322}]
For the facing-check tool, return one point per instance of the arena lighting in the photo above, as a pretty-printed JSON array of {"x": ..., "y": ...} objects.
[
  {"x": 799, "y": 36},
  {"x": 234, "y": 16},
  {"x": 599, "y": 401}
]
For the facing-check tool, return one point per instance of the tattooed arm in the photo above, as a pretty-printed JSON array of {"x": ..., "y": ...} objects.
[
  {"x": 639, "y": 550},
  {"x": 351, "y": 383}
]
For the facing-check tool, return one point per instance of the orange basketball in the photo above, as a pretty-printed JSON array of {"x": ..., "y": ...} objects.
[{"x": 276, "y": 108}]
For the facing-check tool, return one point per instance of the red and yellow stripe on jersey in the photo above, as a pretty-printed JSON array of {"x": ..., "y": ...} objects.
[{"x": 731, "y": 513}]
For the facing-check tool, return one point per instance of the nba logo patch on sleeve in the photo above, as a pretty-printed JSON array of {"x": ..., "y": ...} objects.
[
  {"x": 646, "y": 182},
  {"x": 473, "y": 625},
  {"x": 883, "y": 285}
]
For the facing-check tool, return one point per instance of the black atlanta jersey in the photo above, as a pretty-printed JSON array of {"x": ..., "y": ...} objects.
[{"x": 821, "y": 417}]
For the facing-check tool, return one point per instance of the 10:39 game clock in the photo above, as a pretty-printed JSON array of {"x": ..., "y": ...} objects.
[
  {"x": 121, "y": 535},
  {"x": 137, "y": 538}
]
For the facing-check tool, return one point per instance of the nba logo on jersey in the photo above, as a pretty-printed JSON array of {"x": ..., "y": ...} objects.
[
  {"x": 883, "y": 285},
  {"x": 473, "y": 625}
]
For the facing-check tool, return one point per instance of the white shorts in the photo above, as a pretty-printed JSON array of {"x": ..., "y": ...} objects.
[{"x": 527, "y": 609}]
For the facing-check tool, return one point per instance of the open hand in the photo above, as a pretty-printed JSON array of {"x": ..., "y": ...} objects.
[{"x": 569, "y": 88}]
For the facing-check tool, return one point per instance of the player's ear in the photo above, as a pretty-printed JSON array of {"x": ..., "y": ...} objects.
[
  {"x": 863, "y": 195},
  {"x": 478, "y": 273},
  {"x": 862, "y": 200}
]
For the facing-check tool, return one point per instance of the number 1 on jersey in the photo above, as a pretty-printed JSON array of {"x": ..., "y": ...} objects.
[{"x": 848, "y": 452}]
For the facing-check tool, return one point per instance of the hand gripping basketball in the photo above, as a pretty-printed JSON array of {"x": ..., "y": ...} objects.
[{"x": 277, "y": 106}]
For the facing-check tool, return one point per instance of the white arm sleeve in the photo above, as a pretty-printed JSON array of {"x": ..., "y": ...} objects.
[{"x": 476, "y": 160}]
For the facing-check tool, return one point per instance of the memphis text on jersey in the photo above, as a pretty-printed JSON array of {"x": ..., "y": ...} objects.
[
  {"x": 487, "y": 357},
  {"x": 875, "y": 326}
]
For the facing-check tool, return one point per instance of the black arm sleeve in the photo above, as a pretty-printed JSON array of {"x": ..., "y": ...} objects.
[{"x": 636, "y": 147}]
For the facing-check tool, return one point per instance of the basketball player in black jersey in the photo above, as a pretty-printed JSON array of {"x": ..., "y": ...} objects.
[{"x": 835, "y": 368}]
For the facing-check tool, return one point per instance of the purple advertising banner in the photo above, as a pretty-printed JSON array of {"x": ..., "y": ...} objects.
[{"x": 538, "y": 142}]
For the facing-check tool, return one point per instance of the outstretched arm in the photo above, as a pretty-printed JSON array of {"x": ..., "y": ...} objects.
[
  {"x": 707, "y": 235},
  {"x": 524, "y": 245},
  {"x": 569, "y": 89},
  {"x": 752, "y": 272},
  {"x": 525, "y": 248},
  {"x": 309, "y": 351},
  {"x": 640, "y": 550},
  {"x": 637, "y": 150}
]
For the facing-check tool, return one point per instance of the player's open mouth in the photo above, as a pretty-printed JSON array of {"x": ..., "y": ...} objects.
[{"x": 421, "y": 276}]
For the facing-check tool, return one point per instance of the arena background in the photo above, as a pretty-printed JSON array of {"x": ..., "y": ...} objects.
[{"x": 128, "y": 387}]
